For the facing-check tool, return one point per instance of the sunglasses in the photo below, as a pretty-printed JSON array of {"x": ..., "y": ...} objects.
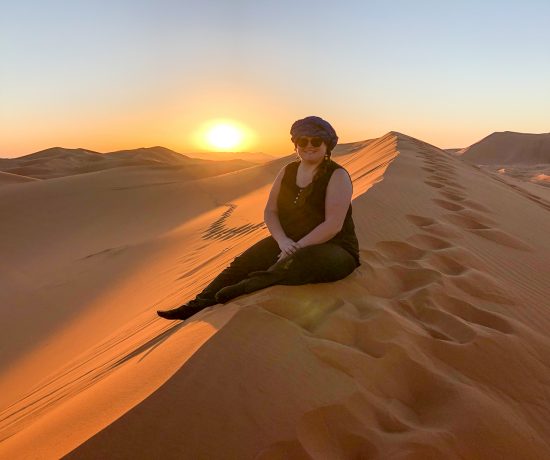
[{"x": 304, "y": 141}]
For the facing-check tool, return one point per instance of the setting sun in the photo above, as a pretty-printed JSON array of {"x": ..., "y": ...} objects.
[{"x": 224, "y": 135}]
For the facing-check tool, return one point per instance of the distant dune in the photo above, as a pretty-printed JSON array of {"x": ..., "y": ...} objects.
[
  {"x": 509, "y": 148},
  {"x": 520, "y": 158},
  {"x": 150, "y": 154},
  {"x": 60, "y": 162},
  {"x": 436, "y": 347},
  {"x": 253, "y": 157}
]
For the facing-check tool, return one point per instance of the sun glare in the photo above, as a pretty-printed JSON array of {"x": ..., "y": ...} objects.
[{"x": 224, "y": 135}]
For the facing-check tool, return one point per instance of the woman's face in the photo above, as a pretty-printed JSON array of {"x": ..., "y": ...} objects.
[{"x": 309, "y": 153}]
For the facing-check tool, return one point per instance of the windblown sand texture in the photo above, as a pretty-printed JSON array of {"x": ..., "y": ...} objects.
[{"x": 436, "y": 347}]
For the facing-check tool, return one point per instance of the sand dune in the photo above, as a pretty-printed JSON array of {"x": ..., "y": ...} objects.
[
  {"x": 436, "y": 347},
  {"x": 60, "y": 162},
  {"x": 521, "y": 159},
  {"x": 509, "y": 148},
  {"x": 252, "y": 157},
  {"x": 9, "y": 178},
  {"x": 151, "y": 154}
]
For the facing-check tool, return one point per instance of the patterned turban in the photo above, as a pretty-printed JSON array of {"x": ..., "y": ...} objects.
[{"x": 314, "y": 127}]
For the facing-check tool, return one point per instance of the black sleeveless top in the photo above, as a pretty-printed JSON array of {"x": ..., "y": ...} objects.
[{"x": 302, "y": 209}]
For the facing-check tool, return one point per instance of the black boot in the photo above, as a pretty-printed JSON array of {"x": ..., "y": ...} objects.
[{"x": 186, "y": 310}]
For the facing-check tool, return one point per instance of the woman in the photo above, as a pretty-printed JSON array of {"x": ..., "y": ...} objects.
[{"x": 309, "y": 216}]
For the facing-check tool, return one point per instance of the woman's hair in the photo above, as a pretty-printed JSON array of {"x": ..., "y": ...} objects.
[{"x": 323, "y": 167}]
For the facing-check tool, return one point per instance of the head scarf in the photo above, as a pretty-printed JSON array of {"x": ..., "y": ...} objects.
[{"x": 313, "y": 126}]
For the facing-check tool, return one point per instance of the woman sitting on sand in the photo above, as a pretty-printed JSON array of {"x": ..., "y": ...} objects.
[{"x": 309, "y": 216}]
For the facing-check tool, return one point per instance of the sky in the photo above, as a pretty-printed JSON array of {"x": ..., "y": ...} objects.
[{"x": 107, "y": 75}]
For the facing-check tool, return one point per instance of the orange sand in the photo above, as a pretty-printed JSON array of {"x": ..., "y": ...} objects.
[{"x": 436, "y": 347}]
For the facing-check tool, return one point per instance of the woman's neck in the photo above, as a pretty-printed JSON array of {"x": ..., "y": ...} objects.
[{"x": 309, "y": 168}]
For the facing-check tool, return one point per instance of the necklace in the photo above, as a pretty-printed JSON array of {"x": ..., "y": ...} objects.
[{"x": 298, "y": 195}]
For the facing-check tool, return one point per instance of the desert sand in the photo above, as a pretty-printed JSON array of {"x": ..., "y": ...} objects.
[
  {"x": 436, "y": 347},
  {"x": 522, "y": 157}
]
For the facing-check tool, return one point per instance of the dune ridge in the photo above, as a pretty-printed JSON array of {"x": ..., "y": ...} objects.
[
  {"x": 435, "y": 347},
  {"x": 7, "y": 178}
]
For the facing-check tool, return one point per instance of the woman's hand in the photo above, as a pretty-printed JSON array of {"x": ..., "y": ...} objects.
[{"x": 288, "y": 247}]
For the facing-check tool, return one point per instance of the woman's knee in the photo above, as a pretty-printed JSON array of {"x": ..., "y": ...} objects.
[
  {"x": 260, "y": 254},
  {"x": 326, "y": 253}
]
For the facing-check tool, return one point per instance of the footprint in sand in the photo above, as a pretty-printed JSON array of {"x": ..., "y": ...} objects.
[
  {"x": 449, "y": 205},
  {"x": 482, "y": 226},
  {"x": 446, "y": 264},
  {"x": 454, "y": 185},
  {"x": 440, "y": 325},
  {"x": 418, "y": 385},
  {"x": 481, "y": 286},
  {"x": 432, "y": 226},
  {"x": 441, "y": 177},
  {"x": 502, "y": 238},
  {"x": 453, "y": 196},
  {"x": 437, "y": 164},
  {"x": 398, "y": 251},
  {"x": 429, "y": 242},
  {"x": 479, "y": 225},
  {"x": 451, "y": 189},
  {"x": 447, "y": 169},
  {"x": 389, "y": 423},
  {"x": 477, "y": 206},
  {"x": 449, "y": 318},
  {"x": 396, "y": 280},
  {"x": 434, "y": 184},
  {"x": 420, "y": 221},
  {"x": 457, "y": 196},
  {"x": 474, "y": 315},
  {"x": 464, "y": 221}
]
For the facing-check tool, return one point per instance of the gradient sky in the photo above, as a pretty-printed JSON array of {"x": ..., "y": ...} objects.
[{"x": 116, "y": 74}]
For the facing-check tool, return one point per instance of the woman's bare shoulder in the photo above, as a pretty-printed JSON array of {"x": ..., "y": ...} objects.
[{"x": 340, "y": 170}]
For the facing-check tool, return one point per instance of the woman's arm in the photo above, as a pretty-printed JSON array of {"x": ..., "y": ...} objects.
[{"x": 337, "y": 201}]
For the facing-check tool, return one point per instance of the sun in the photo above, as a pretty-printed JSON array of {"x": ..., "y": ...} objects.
[{"x": 224, "y": 135}]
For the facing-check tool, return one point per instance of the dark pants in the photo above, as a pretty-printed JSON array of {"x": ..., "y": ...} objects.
[{"x": 257, "y": 268}]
